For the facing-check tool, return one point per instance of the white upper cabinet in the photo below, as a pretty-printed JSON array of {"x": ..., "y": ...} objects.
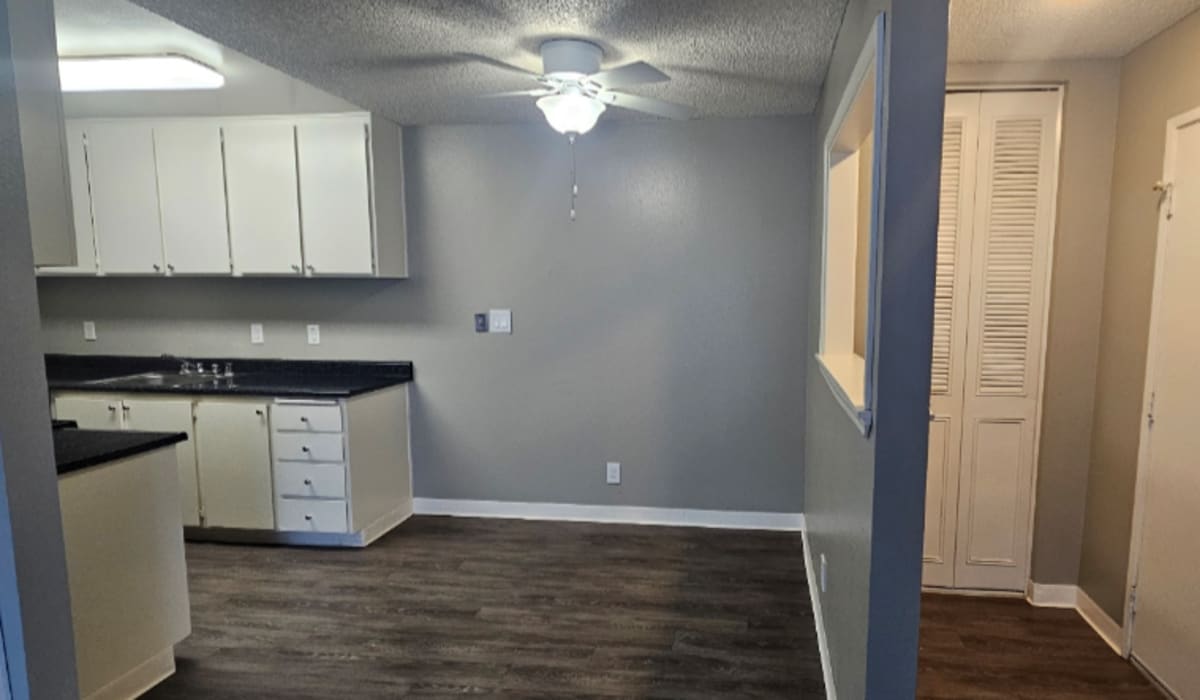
[
  {"x": 264, "y": 216},
  {"x": 335, "y": 196},
  {"x": 191, "y": 189},
  {"x": 124, "y": 189},
  {"x": 312, "y": 195},
  {"x": 85, "y": 242}
]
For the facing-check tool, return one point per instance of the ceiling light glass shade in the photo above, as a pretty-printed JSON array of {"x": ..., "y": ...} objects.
[
  {"x": 105, "y": 73},
  {"x": 572, "y": 112}
]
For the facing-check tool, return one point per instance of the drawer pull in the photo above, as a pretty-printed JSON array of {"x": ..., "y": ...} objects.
[
  {"x": 307, "y": 517},
  {"x": 303, "y": 419},
  {"x": 308, "y": 482},
  {"x": 304, "y": 449}
]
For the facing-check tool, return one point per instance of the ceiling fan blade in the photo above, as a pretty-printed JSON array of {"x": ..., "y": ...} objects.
[
  {"x": 537, "y": 92},
  {"x": 649, "y": 105},
  {"x": 500, "y": 64},
  {"x": 639, "y": 73}
]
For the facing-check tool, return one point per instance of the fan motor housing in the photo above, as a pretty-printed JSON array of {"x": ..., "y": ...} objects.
[{"x": 571, "y": 56}]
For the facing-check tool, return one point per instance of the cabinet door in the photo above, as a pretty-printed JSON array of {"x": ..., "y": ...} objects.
[
  {"x": 92, "y": 413},
  {"x": 81, "y": 207},
  {"x": 125, "y": 198},
  {"x": 234, "y": 464},
  {"x": 335, "y": 200},
  {"x": 191, "y": 189},
  {"x": 264, "y": 211},
  {"x": 174, "y": 416}
]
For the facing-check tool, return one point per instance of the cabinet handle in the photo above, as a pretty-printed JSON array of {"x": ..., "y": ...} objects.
[
  {"x": 295, "y": 268},
  {"x": 304, "y": 449},
  {"x": 170, "y": 268},
  {"x": 311, "y": 268},
  {"x": 308, "y": 482},
  {"x": 125, "y": 409},
  {"x": 112, "y": 408},
  {"x": 258, "y": 412},
  {"x": 303, "y": 419},
  {"x": 308, "y": 517},
  {"x": 157, "y": 267}
]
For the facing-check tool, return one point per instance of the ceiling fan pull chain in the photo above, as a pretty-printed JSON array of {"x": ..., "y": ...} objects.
[{"x": 574, "y": 176}]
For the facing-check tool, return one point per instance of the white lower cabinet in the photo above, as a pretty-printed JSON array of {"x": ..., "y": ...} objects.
[
  {"x": 312, "y": 515},
  {"x": 328, "y": 468},
  {"x": 157, "y": 415},
  {"x": 234, "y": 463},
  {"x": 171, "y": 416}
]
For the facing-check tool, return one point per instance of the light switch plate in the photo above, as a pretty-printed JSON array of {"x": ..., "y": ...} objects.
[
  {"x": 314, "y": 334},
  {"x": 500, "y": 321},
  {"x": 481, "y": 323},
  {"x": 89, "y": 330},
  {"x": 613, "y": 473},
  {"x": 256, "y": 333}
]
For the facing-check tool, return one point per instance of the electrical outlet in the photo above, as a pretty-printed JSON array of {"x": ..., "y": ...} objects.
[
  {"x": 256, "y": 333},
  {"x": 314, "y": 334},
  {"x": 613, "y": 473},
  {"x": 824, "y": 571},
  {"x": 89, "y": 330},
  {"x": 500, "y": 321}
]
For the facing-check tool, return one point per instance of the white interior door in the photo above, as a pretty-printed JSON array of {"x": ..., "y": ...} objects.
[
  {"x": 124, "y": 188},
  {"x": 1010, "y": 260},
  {"x": 952, "y": 284},
  {"x": 191, "y": 184},
  {"x": 998, "y": 190},
  {"x": 1166, "y": 620},
  {"x": 335, "y": 196},
  {"x": 264, "y": 215}
]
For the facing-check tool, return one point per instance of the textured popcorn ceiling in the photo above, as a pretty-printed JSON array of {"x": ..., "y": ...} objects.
[
  {"x": 1032, "y": 30},
  {"x": 404, "y": 58}
]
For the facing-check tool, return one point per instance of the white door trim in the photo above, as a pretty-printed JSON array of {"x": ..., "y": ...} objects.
[{"x": 1174, "y": 124}]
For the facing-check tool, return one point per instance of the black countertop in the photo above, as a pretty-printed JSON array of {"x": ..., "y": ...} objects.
[
  {"x": 76, "y": 449},
  {"x": 286, "y": 378}
]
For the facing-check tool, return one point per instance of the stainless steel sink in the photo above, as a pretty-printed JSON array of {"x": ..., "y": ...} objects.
[{"x": 152, "y": 379}]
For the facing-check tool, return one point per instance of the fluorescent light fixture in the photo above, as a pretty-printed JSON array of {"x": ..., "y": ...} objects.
[
  {"x": 571, "y": 112},
  {"x": 107, "y": 73}
]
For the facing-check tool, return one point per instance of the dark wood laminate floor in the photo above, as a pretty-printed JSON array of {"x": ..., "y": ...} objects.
[
  {"x": 996, "y": 648},
  {"x": 448, "y": 606}
]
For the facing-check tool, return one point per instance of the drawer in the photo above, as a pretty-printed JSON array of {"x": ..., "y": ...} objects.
[
  {"x": 309, "y": 447},
  {"x": 303, "y": 515},
  {"x": 308, "y": 418},
  {"x": 300, "y": 480}
]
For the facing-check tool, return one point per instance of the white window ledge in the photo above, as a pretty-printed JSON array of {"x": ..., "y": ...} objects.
[{"x": 846, "y": 376}]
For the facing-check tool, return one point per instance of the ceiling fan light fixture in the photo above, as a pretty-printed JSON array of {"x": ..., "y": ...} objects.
[{"x": 571, "y": 112}]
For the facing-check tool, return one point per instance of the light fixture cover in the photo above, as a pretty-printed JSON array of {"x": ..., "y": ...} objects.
[
  {"x": 571, "y": 112},
  {"x": 106, "y": 73}
]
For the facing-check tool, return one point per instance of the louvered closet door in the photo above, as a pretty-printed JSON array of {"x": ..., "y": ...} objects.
[
  {"x": 1015, "y": 187},
  {"x": 955, "y": 218}
]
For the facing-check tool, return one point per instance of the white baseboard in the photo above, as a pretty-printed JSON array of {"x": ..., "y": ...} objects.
[
  {"x": 819, "y": 620},
  {"x": 1052, "y": 595},
  {"x": 635, "y": 515},
  {"x": 1105, "y": 626}
]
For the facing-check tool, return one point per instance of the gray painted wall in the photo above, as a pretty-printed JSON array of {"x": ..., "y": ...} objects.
[
  {"x": 35, "y": 608},
  {"x": 664, "y": 329},
  {"x": 864, "y": 497},
  {"x": 1152, "y": 91}
]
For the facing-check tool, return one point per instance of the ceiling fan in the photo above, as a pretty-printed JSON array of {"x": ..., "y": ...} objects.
[{"x": 574, "y": 91}]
